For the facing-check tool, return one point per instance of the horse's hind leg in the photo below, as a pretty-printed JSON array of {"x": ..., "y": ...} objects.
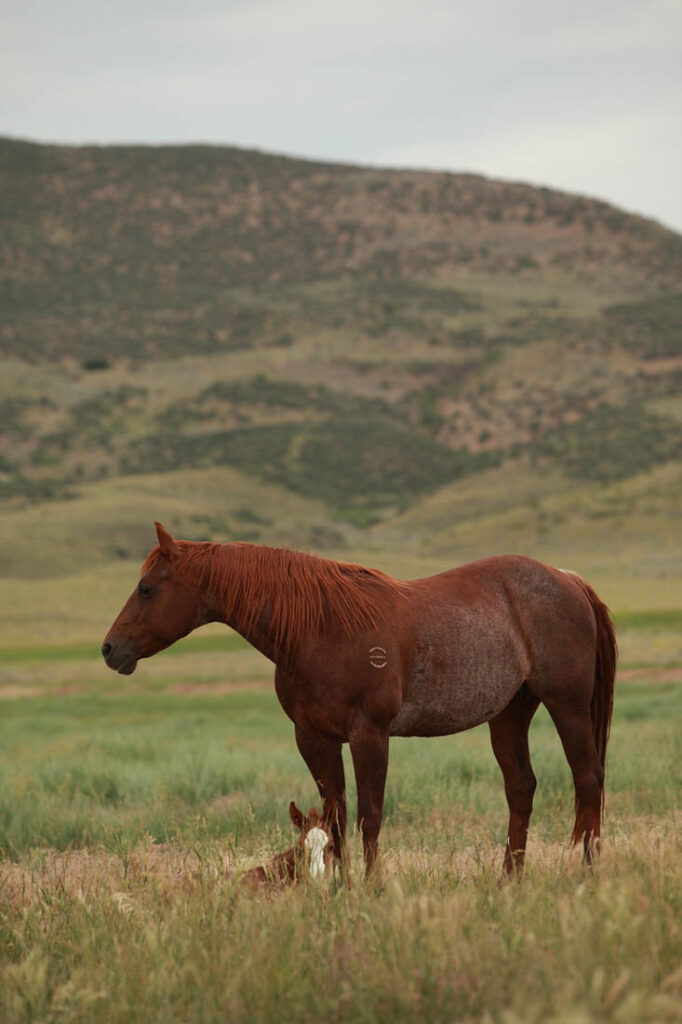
[
  {"x": 509, "y": 737},
  {"x": 574, "y": 725}
]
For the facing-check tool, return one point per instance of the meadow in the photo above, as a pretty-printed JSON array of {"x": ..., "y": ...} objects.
[
  {"x": 128, "y": 809},
  {"x": 404, "y": 369}
]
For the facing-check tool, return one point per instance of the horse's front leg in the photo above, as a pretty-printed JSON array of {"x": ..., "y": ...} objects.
[
  {"x": 369, "y": 747},
  {"x": 325, "y": 760}
]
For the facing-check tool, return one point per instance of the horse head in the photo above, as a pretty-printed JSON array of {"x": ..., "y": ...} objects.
[{"x": 164, "y": 607}]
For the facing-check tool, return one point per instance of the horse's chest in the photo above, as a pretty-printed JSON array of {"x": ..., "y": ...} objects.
[
  {"x": 456, "y": 679},
  {"x": 311, "y": 704}
]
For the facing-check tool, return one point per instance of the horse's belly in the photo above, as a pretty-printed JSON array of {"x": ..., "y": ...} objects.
[{"x": 453, "y": 708}]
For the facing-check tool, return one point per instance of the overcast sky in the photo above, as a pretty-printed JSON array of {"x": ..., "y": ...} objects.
[{"x": 583, "y": 96}]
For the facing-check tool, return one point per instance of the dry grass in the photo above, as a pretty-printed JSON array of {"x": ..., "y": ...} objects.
[
  {"x": 164, "y": 934},
  {"x": 129, "y": 817}
]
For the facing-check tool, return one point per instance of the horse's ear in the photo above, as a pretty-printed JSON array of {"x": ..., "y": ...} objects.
[
  {"x": 296, "y": 815},
  {"x": 166, "y": 542}
]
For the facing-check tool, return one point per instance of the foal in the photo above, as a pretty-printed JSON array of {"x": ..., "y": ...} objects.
[{"x": 312, "y": 854}]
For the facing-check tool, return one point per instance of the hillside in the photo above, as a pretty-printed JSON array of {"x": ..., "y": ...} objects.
[{"x": 343, "y": 347}]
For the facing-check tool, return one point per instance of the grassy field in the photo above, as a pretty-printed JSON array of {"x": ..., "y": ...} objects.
[
  {"x": 408, "y": 370},
  {"x": 128, "y": 809}
]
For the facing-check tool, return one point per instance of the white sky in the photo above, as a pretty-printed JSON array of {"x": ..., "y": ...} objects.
[{"x": 583, "y": 96}]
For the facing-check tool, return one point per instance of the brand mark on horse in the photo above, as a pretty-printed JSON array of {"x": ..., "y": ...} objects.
[{"x": 377, "y": 657}]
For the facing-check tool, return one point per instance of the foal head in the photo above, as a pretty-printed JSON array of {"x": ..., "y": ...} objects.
[
  {"x": 164, "y": 606},
  {"x": 316, "y": 842},
  {"x": 312, "y": 855}
]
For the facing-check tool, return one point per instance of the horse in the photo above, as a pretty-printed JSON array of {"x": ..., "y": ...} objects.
[
  {"x": 309, "y": 856},
  {"x": 361, "y": 656}
]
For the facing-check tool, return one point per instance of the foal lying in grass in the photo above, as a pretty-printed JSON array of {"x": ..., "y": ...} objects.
[{"x": 311, "y": 856}]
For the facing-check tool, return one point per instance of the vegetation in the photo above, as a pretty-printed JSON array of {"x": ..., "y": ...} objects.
[
  {"x": 359, "y": 337},
  {"x": 612, "y": 443},
  {"x": 649, "y": 327},
  {"x": 171, "y": 942},
  {"x": 129, "y": 809},
  {"x": 404, "y": 369},
  {"x": 178, "y": 766}
]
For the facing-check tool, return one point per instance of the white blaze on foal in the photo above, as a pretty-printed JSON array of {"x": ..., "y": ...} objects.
[{"x": 315, "y": 845}]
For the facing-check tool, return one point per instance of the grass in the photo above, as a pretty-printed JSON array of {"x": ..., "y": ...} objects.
[
  {"x": 612, "y": 443},
  {"x": 224, "y": 642},
  {"x": 667, "y": 621},
  {"x": 670, "y": 618},
  {"x": 128, "y": 809},
  {"x": 318, "y": 360},
  {"x": 126, "y": 815},
  {"x": 92, "y": 943},
  {"x": 650, "y": 327},
  {"x": 106, "y": 528},
  {"x": 156, "y": 762}
]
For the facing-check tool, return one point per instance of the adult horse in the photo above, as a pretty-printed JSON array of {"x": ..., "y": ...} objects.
[{"x": 361, "y": 656}]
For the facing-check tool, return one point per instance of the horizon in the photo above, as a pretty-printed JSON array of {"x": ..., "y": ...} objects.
[
  {"x": 583, "y": 100},
  {"x": 359, "y": 164}
]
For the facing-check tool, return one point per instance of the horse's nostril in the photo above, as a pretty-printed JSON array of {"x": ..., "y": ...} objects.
[{"x": 106, "y": 649}]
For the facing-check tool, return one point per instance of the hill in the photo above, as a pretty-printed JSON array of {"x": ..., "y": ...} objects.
[{"x": 345, "y": 350}]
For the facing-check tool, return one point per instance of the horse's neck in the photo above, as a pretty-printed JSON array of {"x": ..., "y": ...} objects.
[
  {"x": 259, "y": 636},
  {"x": 278, "y": 599},
  {"x": 254, "y": 628}
]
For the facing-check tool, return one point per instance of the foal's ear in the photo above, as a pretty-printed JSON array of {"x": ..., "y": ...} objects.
[
  {"x": 296, "y": 815},
  {"x": 166, "y": 542}
]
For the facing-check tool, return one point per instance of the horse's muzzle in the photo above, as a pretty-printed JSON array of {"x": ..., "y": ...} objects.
[{"x": 121, "y": 658}]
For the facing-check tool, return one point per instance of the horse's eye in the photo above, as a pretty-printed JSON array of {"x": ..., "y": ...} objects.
[{"x": 144, "y": 590}]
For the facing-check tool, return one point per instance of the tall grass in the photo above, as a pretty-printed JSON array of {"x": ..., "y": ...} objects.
[
  {"x": 105, "y": 939},
  {"x": 127, "y": 816},
  {"x": 74, "y": 769}
]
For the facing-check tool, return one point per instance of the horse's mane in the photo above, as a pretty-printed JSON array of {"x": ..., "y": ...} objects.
[{"x": 304, "y": 594}]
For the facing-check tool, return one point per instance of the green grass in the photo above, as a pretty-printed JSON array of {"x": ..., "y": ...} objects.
[
  {"x": 199, "y": 643},
  {"x": 612, "y": 443},
  {"x": 650, "y": 327},
  {"x": 668, "y": 619},
  {"x": 272, "y": 350},
  {"x": 129, "y": 807},
  {"x": 158, "y": 801},
  {"x": 72, "y": 769}
]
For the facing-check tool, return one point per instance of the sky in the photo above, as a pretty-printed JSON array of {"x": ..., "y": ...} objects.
[{"x": 584, "y": 97}]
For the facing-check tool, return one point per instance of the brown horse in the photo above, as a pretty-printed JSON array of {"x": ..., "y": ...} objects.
[
  {"x": 361, "y": 656},
  {"x": 309, "y": 856}
]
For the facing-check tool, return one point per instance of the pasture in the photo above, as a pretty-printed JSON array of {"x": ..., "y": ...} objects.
[
  {"x": 512, "y": 354},
  {"x": 128, "y": 807}
]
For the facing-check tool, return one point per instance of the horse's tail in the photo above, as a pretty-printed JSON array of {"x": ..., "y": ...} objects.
[{"x": 601, "y": 706}]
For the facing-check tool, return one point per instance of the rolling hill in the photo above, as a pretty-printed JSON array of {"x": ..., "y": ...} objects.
[{"x": 331, "y": 356}]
